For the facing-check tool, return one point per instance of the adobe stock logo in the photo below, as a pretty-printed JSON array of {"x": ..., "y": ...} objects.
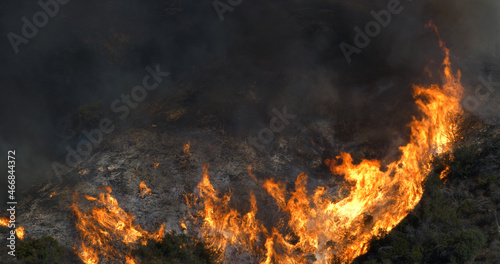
[
  {"x": 276, "y": 125},
  {"x": 372, "y": 29},
  {"x": 40, "y": 19},
  {"x": 122, "y": 106},
  {"x": 481, "y": 95},
  {"x": 221, "y": 7}
]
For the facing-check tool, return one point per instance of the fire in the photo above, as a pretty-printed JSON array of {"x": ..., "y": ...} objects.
[
  {"x": 87, "y": 255},
  {"x": 379, "y": 199},
  {"x": 108, "y": 231},
  {"x": 221, "y": 225},
  {"x": 4, "y": 221},
  {"x": 52, "y": 194},
  {"x": 20, "y": 232},
  {"x": 186, "y": 148},
  {"x": 143, "y": 189}
]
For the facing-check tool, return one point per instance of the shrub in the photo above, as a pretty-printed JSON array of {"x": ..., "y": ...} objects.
[
  {"x": 177, "y": 249},
  {"x": 44, "y": 250},
  {"x": 467, "y": 244}
]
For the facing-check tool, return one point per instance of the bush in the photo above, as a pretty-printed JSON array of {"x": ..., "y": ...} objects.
[
  {"x": 177, "y": 249},
  {"x": 467, "y": 244},
  {"x": 44, "y": 250}
]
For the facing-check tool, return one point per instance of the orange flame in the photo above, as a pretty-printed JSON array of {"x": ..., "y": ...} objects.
[
  {"x": 143, "y": 189},
  {"x": 221, "y": 225},
  {"x": 379, "y": 198},
  {"x": 108, "y": 231},
  {"x": 4, "y": 221},
  {"x": 87, "y": 255},
  {"x": 20, "y": 232}
]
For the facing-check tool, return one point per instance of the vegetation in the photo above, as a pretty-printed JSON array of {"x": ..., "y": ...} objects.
[
  {"x": 177, "y": 249},
  {"x": 44, "y": 250}
]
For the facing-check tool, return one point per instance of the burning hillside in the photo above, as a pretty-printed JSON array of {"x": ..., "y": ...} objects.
[
  {"x": 251, "y": 132},
  {"x": 379, "y": 198}
]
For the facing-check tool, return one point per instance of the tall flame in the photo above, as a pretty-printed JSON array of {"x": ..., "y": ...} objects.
[
  {"x": 108, "y": 231},
  {"x": 379, "y": 199}
]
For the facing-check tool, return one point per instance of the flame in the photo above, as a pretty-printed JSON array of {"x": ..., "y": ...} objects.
[
  {"x": 4, "y": 221},
  {"x": 143, "y": 189},
  {"x": 221, "y": 225},
  {"x": 378, "y": 200},
  {"x": 20, "y": 232},
  {"x": 249, "y": 171},
  {"x": 87, "y": 255},
  {"x": 52, "y": 194},
  {"x": 183, "y": 225},
  {"x": 130, "y": 260},
  {"x": 108, "y": 231},
  {"x": 186, "y": 148}
]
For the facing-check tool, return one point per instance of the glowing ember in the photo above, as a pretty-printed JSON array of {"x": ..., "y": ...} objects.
[
  {"x": 108, "y": 231},
  {"x": 186, "y": 148},
  {"x": 143, "y": 190},
  {"x": 378, "y": 200},
  {"x": 52, "y": 194},
  {"x": 20, "y": 232}
]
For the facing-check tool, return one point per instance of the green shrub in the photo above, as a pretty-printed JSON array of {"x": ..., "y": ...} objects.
[
  {"x": 177, "y": 249},
  {"x": 44, "y": 250},
  {"x": 467, "y": 244}
]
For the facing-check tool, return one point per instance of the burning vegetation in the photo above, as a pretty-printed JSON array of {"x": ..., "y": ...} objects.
[
  {"x": 107, "y": 231},
  {"x": 143, "y": 190},
  {"x": 323, "y": 230}
]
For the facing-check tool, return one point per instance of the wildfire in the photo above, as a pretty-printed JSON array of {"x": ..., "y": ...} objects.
[
  {"x": 108, "y": 231},
  {"x": 20, "y": 232},
  {"x": 143, "y": 189},
  {"x": 378, "y": 200},
  {"x": 221, "y": 225}
]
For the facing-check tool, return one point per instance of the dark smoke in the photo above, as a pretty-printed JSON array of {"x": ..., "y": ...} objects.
[{"x": 279, "y": 52}]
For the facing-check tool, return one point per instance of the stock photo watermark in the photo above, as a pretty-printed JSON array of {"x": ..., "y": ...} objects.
[
  {"x": 372, "y": 29},
  {"x": 481, "y": 95},
  {"x": 40, "y": 19},
  {"x": 222, "y": 7},
  {"x": 276, "y": 125},
  {"x": 121, "y": 106}
]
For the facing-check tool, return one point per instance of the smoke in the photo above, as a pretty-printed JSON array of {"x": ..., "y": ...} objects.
[{"x": 277, "y": 53}]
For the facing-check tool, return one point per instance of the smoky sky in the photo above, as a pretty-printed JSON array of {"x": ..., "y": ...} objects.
[{"x": 95, "y": 50}]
